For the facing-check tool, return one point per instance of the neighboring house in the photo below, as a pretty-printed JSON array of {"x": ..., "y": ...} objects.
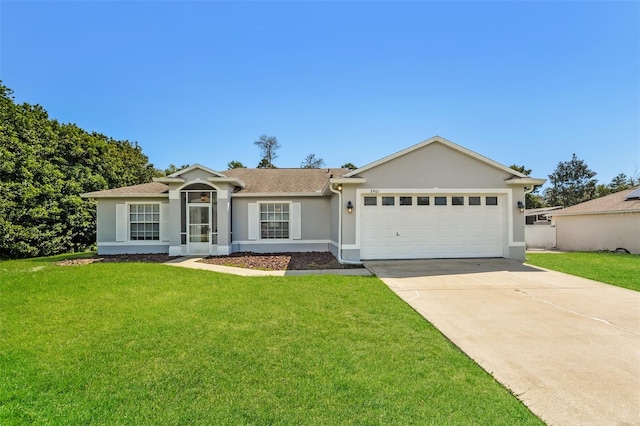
[
  {"x": 606, "y": 223},
  {"x": 539, "y": 232},
  {"x": 540, "y": 216},
  {"x": 435, "y": 199}
]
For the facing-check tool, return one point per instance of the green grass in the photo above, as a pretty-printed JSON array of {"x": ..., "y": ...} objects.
[
  {"x": 153, "y": 344},
  {"x": 612, "y": 268}
]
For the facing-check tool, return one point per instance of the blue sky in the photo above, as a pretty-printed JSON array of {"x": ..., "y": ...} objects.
[{"x": 519, "y": 82}]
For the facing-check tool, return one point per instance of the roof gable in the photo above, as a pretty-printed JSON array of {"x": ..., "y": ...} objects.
[
  {"x": 196, "y": 166},
  {"x": 441, "y": 140}
]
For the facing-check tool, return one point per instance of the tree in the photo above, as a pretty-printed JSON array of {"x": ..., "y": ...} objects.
[
  {"x": 264, "y": 164},
  {"x": 312, "y": 162},
  {"x": 532, "y": 200},
  {"x": 349, "y": 166},
  {"x": 572, "y": 183},
  {"x": 268, "y": 146},
  {"x": 233, "y": 164},
  {"x": 44, "y": 168},
  {"x": 621, "y": 182},
  {"x": 171, "y": 169}
]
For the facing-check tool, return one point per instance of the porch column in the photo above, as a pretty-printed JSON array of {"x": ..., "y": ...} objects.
[{"x": 224, "y": 221}]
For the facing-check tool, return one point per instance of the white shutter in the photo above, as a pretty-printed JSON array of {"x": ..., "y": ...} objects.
[
  {"x": 121, "y": 222},
  {"x": 252, "y": 226},
  {"x": 296, "y": 223},
  {"x": 164, "y": 222}
]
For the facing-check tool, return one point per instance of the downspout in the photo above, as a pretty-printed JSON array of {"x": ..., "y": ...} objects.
[{"x": 339, "y": 257}]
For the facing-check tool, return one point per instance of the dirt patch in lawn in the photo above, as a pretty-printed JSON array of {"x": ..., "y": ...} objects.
[
  {"x": 280, "y": 261},
  {"x": 147, "y": 258}
]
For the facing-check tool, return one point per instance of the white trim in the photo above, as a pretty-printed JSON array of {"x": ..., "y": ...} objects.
[
  {"x": 284, "y": 241},
  {"x": 133, "y": 243},
  {"x": 518, "y": 244},
  {"x": 122, "y": 222},
  {"x": 252, "y": 221},
  {"x": 445, "y": 142},
  {"x": 295, "y": 221},
  {"x": 191, "y": 182},
  {"x": 350, "y": 247},
  {"x": 165, "y": 223}
]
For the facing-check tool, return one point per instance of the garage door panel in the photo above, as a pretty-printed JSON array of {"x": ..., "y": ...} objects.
[{"x": 434, "y": 231}]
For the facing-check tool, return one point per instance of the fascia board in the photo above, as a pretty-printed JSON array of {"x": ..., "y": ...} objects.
[{"x": 89, "y": 195}]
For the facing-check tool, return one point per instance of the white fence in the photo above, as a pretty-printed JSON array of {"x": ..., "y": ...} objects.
[{"x": 540, "y": 236}]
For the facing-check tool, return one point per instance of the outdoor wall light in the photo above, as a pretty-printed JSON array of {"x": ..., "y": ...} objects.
[
  {"x": 339, "y": 187},
  {"x": 521, "y": 206},
  {"x": 349, "y": 207}
]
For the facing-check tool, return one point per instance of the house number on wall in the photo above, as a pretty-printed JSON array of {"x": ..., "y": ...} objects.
[{"x": 375, "y": 191}]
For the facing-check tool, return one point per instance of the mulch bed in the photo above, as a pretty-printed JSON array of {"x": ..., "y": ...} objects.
[
  {"x": 147, "y": 258},
  {"x": 280, "y": 261},
  {"x": 293, "y": 261}
]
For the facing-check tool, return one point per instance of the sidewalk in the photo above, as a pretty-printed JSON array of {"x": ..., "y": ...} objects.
[{"x": 193, "y": 263}]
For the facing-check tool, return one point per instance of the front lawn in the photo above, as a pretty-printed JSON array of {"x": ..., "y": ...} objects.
[
  {"x": 138, "y": 344},
  {"x": 612, "y": 268}
]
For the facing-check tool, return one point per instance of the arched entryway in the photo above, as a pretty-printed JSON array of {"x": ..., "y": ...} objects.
[{"x": 199, "y": 217}]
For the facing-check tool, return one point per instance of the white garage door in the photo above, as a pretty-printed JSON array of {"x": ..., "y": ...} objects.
[{"x": 431, "y": 226}]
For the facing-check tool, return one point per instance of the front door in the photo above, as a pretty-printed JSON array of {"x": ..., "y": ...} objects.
[{"x": 199, "y": 229}]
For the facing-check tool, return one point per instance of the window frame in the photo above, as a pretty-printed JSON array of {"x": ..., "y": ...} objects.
[
  {"x": 486, "y": 200},
  {"x": 281, "y": 221},
  {"x": 437, "y": 198},
  {"x": 370, "y": 197},
  {"x": 404, "y": 198},
  {"x": 152, "y": 222}
]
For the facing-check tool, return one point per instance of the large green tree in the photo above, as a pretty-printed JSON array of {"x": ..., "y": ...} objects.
[
  {"x": 44, "y": 166},
  {"x": 571, "y": 183}
]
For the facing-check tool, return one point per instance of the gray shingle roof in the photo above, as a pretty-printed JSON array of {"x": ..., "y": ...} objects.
[
  {"x": 284, "y": 181},
  {"x": 257, "y": 181},
  {"x": 614, "y": 203},
  {"x": 148, "y": 189}
]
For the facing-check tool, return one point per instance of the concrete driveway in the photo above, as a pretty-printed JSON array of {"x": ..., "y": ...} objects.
[{"x": 568, "y": 347}]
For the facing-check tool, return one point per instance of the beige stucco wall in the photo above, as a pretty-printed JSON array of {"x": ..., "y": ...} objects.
[
  {"x": 598, "y": 232},
  {"x": 435, "y": 166}
]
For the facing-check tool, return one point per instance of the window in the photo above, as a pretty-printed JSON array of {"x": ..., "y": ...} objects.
[
  {"x": 492, "y": 201},
  {"x": 388, "y": 201},
  {"x": 423, "y": 201},
  {"x": 457, "y": 201},
  {"x": 441, "y": 201},
  {"x": 274, "y": 221},
  {"x": 406, "y": 201},
  {"x": 144, "y": 222},
  {"x": 474, "y": 201},
  {"x": 370, "y": 201}
]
